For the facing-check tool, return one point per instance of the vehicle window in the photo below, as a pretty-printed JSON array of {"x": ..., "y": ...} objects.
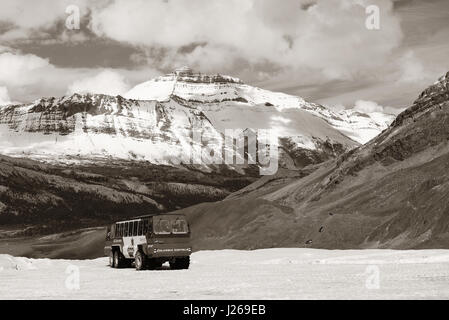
[
  {"x": 135, "y": 228},
  {"x": 139, "y": 228},
  {"x": 144, "y": 227},
  {"x": 126, "y": 229},
  {"x": 120, "y": 230},
  {"x": 162, "y": 226},
  {"x": 179, "y": 226}
]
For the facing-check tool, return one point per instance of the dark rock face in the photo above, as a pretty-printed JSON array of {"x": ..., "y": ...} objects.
[
  {"x": 301, "y": 157},
  {"x": 437, "y": 95},
  {"x": 59, "y": 116},
  {"x": 421, "y": 126}
]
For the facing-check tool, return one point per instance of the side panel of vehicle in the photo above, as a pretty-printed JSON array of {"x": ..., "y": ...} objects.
[
  {"x": 115, "y": 244},
  {"x": 131, "y": 245},
  {"x": 161, "y": 246}
]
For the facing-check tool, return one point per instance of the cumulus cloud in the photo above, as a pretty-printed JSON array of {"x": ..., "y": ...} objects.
[
  {"x": 29, "y": 77},
  {"x": 26, "y": 19},
  {"x": 368, "y": 106},
  {"x": 27, "y": 15},
  {"x": 292, "y": 43},
  {"x": 289, "y": 34},
  {"x": 372, "y": 106},
  {"x": 16, "y": 68},
  {"x": 412, "y": 70},
  {"x": 105, "y": 82},
  {"x": 4, "y": 96}
]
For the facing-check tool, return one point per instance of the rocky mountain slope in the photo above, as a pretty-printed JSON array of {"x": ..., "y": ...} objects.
[
  {"x": 38, "y": 198},
  {"x": 389, "y": 193}
]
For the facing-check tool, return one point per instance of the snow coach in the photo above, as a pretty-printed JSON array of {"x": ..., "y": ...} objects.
[{"x": 149, "y": 241}]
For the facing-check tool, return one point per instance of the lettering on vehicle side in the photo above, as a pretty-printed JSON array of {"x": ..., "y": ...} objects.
[{"x": 171, "y": 250}]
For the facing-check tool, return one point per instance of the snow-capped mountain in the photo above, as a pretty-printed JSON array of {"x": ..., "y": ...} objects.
[
  {"x": 224, "y": 98},
  {"x": 157, "y": 121}
]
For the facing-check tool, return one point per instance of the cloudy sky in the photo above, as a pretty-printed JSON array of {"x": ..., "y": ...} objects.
[{"x": 318, "y": 49}]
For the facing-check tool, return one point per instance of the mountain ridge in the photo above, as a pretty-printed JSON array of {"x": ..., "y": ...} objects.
[{"x": 79, "y": 127}]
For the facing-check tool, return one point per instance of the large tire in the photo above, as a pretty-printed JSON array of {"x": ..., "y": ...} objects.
[
  {"x": 111, "y": 259},
  {"x": 180, "y": 263},
  {"x": 153, "y": 264},
  {"x": 119, "y": 259},
  {"x": 140, "y": 260}
]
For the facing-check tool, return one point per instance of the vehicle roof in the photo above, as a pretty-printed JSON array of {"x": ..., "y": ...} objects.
[{"x": 148, "y": 216}]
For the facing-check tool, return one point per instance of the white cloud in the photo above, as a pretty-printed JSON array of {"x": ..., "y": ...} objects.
[
  {"x": 368, "y": 106},
  {"x": 372, "y": 106},
  {"x": 29, "y": 21},
  {"x": 412, "y": 70},
  {"x": 28, "y": 15},
  {"x": 16, "y": 68},
  {"x": 105, "y": 82},
  {"x": 4, "y": 96},
  {"x": 29, "y": 77},
  {"x": 329, "y": 37},
  {"x": 285, "y": 42}
]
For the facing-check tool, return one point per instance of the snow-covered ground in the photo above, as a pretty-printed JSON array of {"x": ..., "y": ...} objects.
[{"x": 233, "y": 274}]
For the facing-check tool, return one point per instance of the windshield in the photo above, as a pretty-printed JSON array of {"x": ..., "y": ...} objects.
[{"x": 170, "y": 225}]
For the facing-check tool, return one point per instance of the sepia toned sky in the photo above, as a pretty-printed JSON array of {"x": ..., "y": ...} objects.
[{"x": 318, "y": 49}]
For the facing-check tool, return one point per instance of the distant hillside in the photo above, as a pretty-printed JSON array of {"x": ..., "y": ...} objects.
[{"x": 38, "y": 198}]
